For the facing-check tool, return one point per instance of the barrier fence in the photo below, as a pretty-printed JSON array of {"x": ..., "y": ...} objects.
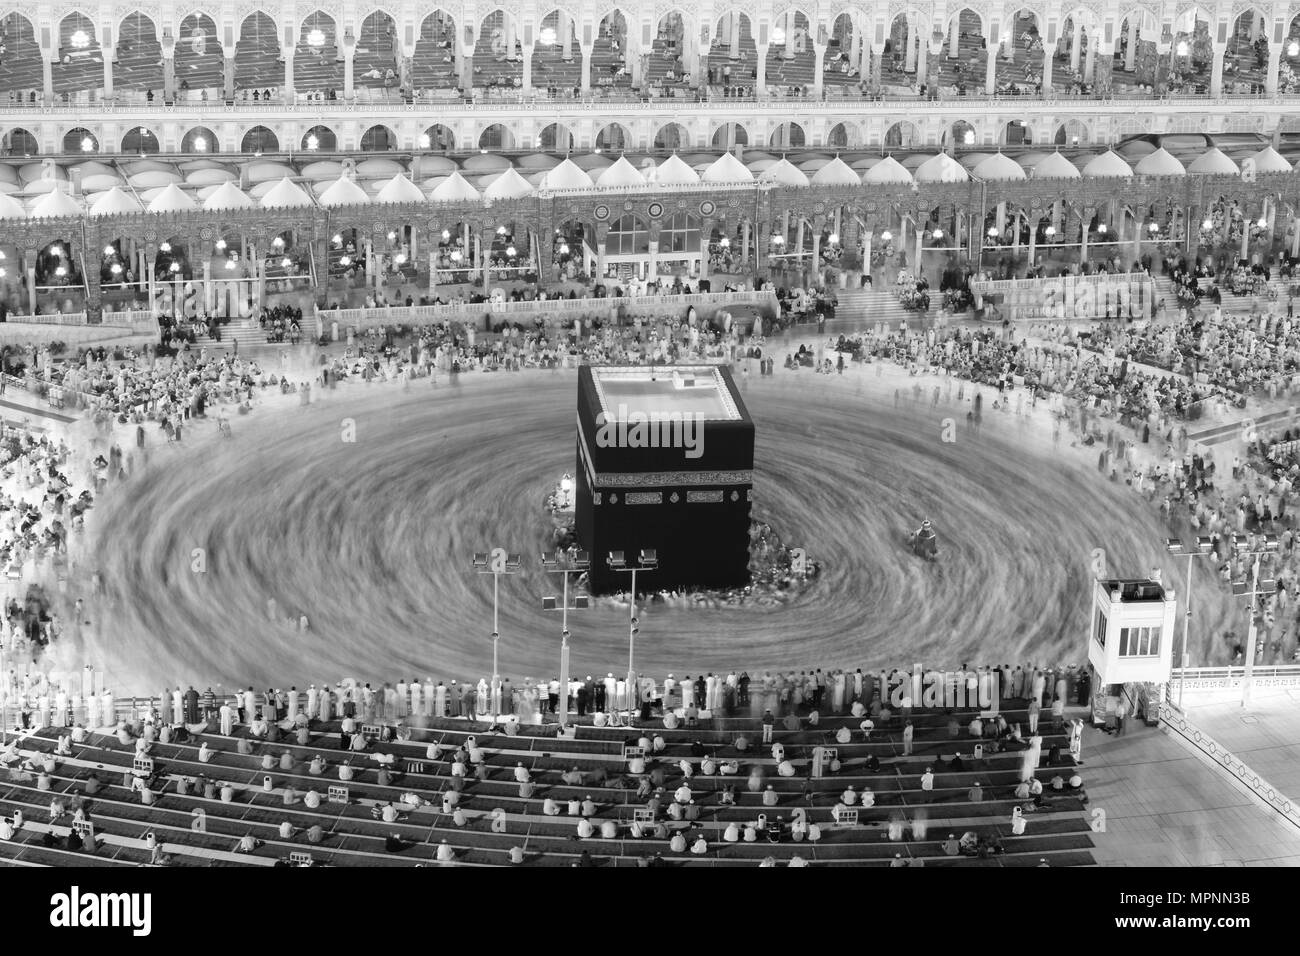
[
  {"x": 1176, "y": 723},
  {"x": 705, "y": 304},
  {"x": 1129, "y": 295}
]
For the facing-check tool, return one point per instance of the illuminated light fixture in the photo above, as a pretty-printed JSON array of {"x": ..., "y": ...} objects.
[
  {"x": 286, "y": 262},
  {"x": 2, "y": 273},
  {"x": 969, "y": 138},
  {"x": 501, "y": 230},
  {"x": 547, "y": 36},
  {"x": 109, "y": 251},
  {"x": 445, "y": 235},
  {"x": 391, "y": 235},
  {"x": 1183, "y": 48},
  {"x": 230, "y": 263},
  {"x": 338, "y": 239},
  {"x": 1207, "y": 225},
  {"x": 511, "y": 251},
  {"x": 483, "y": 151},
  {"x": 61, "y": 271},
  {"x": 778, "y": 36},
  {"x": 174, "y": 267},
  {"x": 834, "y": 238},
  {"x": 1049, "y": 231},
  {"x": 115, "y": 268},
  {"x": 87, "y": 144},
  {"x": 1102, "y": 229},
  {"x": 993, "y": 232},
  {"x": 886, "y": 235},
  {"x": 724, "y": 242},
  {"x": 56, "y": 250},
  {"x": 313, "y": 141},
  {"x": 165, "y": 247},
  {"x": 278, "y": 242},
  {"x": 456, "y": 256},
  {"x": 778, "y": 240},
  {"x": 1074, "y": 141},
  {"x": 598, "y": 150},
  {"x": 1153, "y": 228},
  {"x": 79, "y": 40},
  {"x": 400, "y": 258},
  {"x": 937, "y": 234},
  {"x": 564, "y": 248},
  {"x": 200, "y": 145},
  {"x": 2, "y": 255},
  {"x": 1263, "y": 222},
  {"x": 345, "y": 261},
  {"x": 1293, "y": 48},
  {"x": 316, "y": 38},
  {"x": 425, "y": 141}
]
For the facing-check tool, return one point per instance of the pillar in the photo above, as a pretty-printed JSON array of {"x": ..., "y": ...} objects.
[
  {"x": 109, "y": 53},
  {"x": 207, "y": 285},
  {"x": 760, "y": 83},
  {"x": 990, "y": 65},
  {"x": 1256, "y": 26},
  {"x": 1090, "y": 63},
  {"x": 733, "y": 50},
  {"x": 586, "y": 69},
  {"x": 466, "y": 81},
  {"x": 169, "y": 77},
  {"x": 47, "y": 77},
  {"x": 922, "y": 55},
  {"x": 370, "y": 262},
  {"x": 1216, "y": 69},
  {"x": 1048, "y": 50},
  {"x": 877, "y": 64},
  {"x": 566, "y": 36},
  {"x": 1130, "y": 52},
  {"x": 744, "y": 241},
  {"x": 433, "y": 270},
  {"x": 1076, "y": 43},
  {"x": 528, "y": 69},
  {"x": 228, "y": 72},
  {"x": 910, "y": 48},
  {"x": 818, "y": 68},
  {"x": 378, "y": 275},
  {"x": 954, "y": 38},
  {"x": 349, "y": 69},
  {"x": 1274, "y": 64},
  {"x": 31, "y": 284},
  {"x": 855, "y": 48},
  {"x": 289, "y": 94}
]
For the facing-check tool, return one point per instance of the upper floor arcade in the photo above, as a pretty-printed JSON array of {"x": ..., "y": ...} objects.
[{"x": 717, "y": 50}]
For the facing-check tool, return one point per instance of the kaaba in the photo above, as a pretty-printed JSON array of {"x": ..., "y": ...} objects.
[{"x": 665, "y": 462}]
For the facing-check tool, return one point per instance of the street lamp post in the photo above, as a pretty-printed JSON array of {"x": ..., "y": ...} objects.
[
  {"x": 1202, "y": 546},
  {"x": 648, "y": 560},
  {"x": 496, "y": 563},
  {"x": 565, "y": 563},
  {"x": 1253, "y": 590}
]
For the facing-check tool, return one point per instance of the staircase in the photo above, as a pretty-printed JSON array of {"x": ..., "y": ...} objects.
[
  {"x": 868, "y": 306},
  {"x": 1164, "y": 292},
  {"x": 244, "y": 331}
]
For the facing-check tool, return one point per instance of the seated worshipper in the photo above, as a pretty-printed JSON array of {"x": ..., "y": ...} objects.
[
  {"x": 729, "y": 768},
  {"x": 867, "y": 726},
  {"x": 785, "y": 769},
  {"x": 1017, "y": 821},
  {"x": 778, "y": 752},
  {"x": 950, "y": 846},
  {"x": 770, "y": 797},
  {"x": 572, "y": 778},
  {"x": 1058, "y": 782},
  {"x": 849, "y": 796},
  {"x": 1022, "y": 790},
  {"x": 927, "y": 780},
  {"x": 259, "y": 727},
  {"x": 843, "y": 735},
  {"x": 975, "y": 794},
  {"x": 867, "y": 797},
  {"x": 1036, "y": 791}
]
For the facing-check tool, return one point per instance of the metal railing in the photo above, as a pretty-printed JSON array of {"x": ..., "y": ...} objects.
[{"x": 1175, "y": 722}]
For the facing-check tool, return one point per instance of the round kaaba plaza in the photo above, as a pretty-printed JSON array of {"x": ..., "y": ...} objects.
[{"x": 744, "y": 435}]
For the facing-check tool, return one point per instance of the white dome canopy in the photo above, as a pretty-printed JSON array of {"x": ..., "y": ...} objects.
[
  {"x": 322, "y": 170},
  {"x": 208, "y": 176},
  {"x": 1213, "y": 162},
  {"x": 399, "y": 189},
  {"x": 285, "y": 193},
  {"x": 1160, "y": 163},
  {"x": 567, "y": 175},
  {"x": 228, "y": 196},
  {"x": 674, "y": 171},
  {"x": 999, "y": 168},
  {"x": 509, "y": 185},
  {"x": 11, "y": 208},
  {"x": 55, "y": 204},
  {"x": 454, "y": 188},
  {"x": 115, "y": 202},
  {"x": 343, "y": 192},
  {"x": 171, "y": 199},
  {"x": 619, "y": 175},
  {"x": 1269, "y": 160},
  {"x": 941, "y": 169},
  {"x": 1056, "y": 166},
  {"x": 1108, "y": 165},
  {"x": 836, "y": 173},
  {"x": 378, "y": 168},
  {"x": 727, "y": 169},
  {"x": 888, "y": 171},
  {"x": 784, "y": 173}
]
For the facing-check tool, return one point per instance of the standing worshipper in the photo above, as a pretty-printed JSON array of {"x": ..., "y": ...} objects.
[
  {"x": 417, "y": 697},
  {"x": 440, "y": 700},
  {"x": 427, "y": 709},
  {"x": 403, "y": 696},
  {"x": 191, "y": 708}
]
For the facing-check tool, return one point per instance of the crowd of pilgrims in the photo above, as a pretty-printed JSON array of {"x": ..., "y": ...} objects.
[{"x": 787, "y": 695}]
